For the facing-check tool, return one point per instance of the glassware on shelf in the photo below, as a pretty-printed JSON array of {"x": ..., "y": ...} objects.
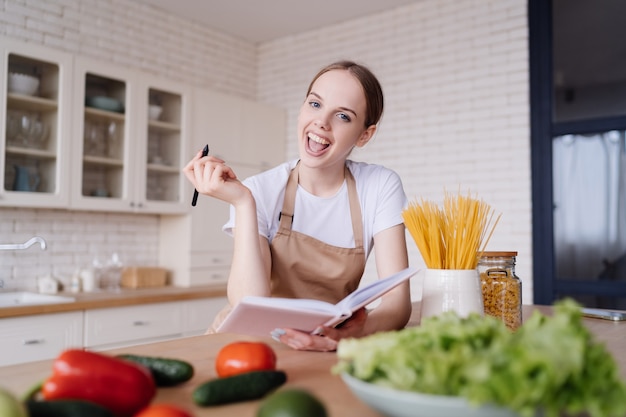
[
  {"x": 112, "y": 136},
  {"x": 26, "y": 130},
  {"x": 13, "y": 128},
  {"x": 38, "y": 134},
  {"x": 95, "y": 144},
  {"x": 102, "y": 138}
]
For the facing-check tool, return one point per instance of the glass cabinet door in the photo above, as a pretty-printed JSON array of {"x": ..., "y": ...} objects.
[
  {"x": 103, "y": 137},
  {"x": 131, "y": 141},
  {"x": 164, "y": 147},
  {"x": 35, "y": 126},
  {"x": 102, "y": 177},
  {"x": 163, "y": 127}
]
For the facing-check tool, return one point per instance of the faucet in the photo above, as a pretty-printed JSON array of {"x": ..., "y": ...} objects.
[{"x": 28, "y": 244}]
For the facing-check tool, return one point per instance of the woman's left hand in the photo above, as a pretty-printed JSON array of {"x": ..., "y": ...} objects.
[{"x": 327, "y": 338}]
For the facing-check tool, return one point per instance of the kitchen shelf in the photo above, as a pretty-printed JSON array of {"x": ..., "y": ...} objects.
[
  {"x": 103, "y": 161},
  {"x": 98, "y": 114},
  {"x": 163, "y": 127},
  {"x": 35, "y": 153},
  {"x": 166, "y": 169},
  {"x": 30, "y": 103}
]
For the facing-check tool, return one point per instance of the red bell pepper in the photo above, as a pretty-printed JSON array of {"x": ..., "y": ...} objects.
[{"x": 120, "y": 386}]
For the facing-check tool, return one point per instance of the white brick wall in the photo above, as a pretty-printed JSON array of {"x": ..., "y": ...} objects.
[
  {"x": 455, "y": 75},
  {"x": 126, "y": 33}
]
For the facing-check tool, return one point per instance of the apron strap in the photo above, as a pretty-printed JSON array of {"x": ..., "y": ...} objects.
[
  {"x": 286, "y": 215},
  {"x": 355, "y": 210}
]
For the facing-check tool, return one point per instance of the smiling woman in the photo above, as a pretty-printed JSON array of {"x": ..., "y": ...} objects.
[{"x": 305, "y": 228}]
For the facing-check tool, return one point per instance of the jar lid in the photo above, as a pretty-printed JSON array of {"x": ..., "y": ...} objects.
[{"x": 497, "y": 254}]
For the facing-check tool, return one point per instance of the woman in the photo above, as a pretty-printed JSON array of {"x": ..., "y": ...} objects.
[{"x": 305, "y": 228}]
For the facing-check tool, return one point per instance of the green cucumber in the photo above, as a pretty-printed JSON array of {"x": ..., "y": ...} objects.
[
  {"x": 66, "y": 408},
  {"x": 242, "y": 387},
  {"x": 165, "y": 371}
]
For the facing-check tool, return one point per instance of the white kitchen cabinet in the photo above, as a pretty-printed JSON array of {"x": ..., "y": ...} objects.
[
  {"x": 123, "y": 160},
  {"x": 32, "y": 338},
  {"x": 107, "y": 328},
  {"x": 199, "y": 314},
  {"x": 165, "y": 146},
  {"x": 45, "y": 336},
  {"x": 83, "y": 139},
  {"x": 240, "y": 131},
  {"x": 35, "y": 126},
  {"x": 250, "y": 137}
]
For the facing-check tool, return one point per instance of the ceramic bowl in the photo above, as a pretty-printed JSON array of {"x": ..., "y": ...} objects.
[
  {"x": 395, "y": 403},
  {"x": 23, "y": 84},
  {"x": 154, "y": 112},
  {"x": 105, "y": 103}
]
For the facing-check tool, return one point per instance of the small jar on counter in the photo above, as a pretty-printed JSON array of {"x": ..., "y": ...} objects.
[{"x": 502, "y": 289}]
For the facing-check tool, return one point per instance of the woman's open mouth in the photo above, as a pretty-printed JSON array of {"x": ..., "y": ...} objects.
[{"x": 317, "y": 144}]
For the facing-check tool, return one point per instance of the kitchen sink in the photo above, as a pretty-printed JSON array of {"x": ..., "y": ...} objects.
[{"x": 26, "y": 298}]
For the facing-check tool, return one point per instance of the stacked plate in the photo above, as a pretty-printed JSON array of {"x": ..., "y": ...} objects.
[{"x": 105, "y": 103}]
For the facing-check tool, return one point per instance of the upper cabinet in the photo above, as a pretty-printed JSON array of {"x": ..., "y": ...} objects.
[
  {"x": 85, "y": 134},
  {"x": 250, "y": 137},
  {"x": 35, "y": 120},
  {"x": 242, "y": 132},
  {"x": 132, "y": 146}
]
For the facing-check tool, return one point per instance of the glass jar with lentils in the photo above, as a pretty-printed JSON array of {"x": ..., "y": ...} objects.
[{"x": 502, "y": 289}]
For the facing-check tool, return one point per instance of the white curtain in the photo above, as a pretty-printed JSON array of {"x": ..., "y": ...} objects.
[{"x": 589, "y": 174}]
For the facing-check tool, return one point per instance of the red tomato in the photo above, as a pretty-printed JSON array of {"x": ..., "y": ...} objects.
[
  {"x": 163, "y": 410},
  {"x": 239, "y": 357}
]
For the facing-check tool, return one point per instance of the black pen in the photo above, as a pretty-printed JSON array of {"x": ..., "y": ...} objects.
[{"x": 205, "y": 152}]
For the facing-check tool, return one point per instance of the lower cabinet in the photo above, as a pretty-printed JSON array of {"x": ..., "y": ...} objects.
[
  {"x": 198, "y": 314},
  {"x": 32, "y": 338},
  {"x": 107, "y": 328}
]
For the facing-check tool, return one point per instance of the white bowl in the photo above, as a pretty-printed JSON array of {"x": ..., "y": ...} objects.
[
  {"x": 23, "y": 84},
  {"x": 105, "y": 103},
  {"x": 396, "y": 403},
  {"x": 154, "y": 112}
]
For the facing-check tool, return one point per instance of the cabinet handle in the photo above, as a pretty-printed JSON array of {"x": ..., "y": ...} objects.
[
  {"x": 140, "y": 323},
  {"x": 34, "y": 342}
]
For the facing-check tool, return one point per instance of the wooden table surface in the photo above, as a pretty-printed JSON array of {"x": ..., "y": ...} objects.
[{"x": 308, "y": 370}]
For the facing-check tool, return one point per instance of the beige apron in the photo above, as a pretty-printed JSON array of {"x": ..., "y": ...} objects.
[{"x": 304, "y": 267}]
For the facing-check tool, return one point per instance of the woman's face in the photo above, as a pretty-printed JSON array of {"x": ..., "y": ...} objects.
[{"x": 331, "y": 120}]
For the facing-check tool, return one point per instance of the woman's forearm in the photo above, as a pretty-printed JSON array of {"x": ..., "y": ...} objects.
[
  {"x": 393, "y": 313},
  {"x": 249, "y": 273},
  {"x": 394, "y": 310}
]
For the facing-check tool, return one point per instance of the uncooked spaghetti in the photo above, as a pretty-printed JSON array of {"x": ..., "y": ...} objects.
[{"x": 452, "y": 237}]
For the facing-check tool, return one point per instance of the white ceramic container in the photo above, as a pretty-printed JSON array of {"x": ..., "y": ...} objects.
[{"x": 456, "y": 290}]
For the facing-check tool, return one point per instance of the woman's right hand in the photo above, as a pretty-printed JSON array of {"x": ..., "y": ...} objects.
[{"x": 211, "y": 176}]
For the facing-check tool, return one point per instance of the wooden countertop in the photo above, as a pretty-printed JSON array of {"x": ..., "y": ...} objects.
[
  {"x": 123, "y": 297},
  {"x": 308, "y": 370}
]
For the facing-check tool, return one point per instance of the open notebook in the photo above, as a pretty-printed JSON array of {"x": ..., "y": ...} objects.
[{"x": 260, "y": 315}]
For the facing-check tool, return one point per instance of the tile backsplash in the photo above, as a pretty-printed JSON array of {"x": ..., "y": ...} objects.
[{"x": 74, "y": 240}]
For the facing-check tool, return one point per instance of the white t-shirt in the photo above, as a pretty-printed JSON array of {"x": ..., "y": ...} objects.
[{"x": 380, "y": 192}]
